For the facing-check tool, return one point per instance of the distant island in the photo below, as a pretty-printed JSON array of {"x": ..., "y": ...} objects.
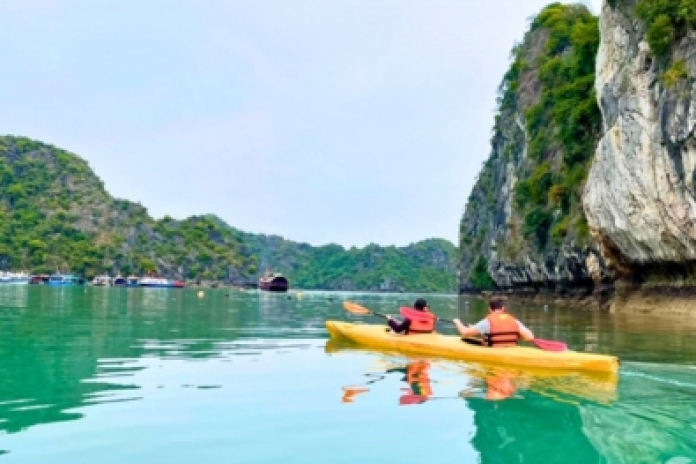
[{"x": 56, "y": 216}]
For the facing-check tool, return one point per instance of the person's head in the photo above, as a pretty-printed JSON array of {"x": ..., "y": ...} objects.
[
  {"x": 496, "y": 305},
  {"x": 420, "y": 304}
]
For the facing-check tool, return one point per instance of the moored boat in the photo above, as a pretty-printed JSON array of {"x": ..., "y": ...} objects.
[
  {"x": 64, "y": 280},
  {"x": 119, "y": 281},
  {"x": 14, "y": 278},
  {"x": 101, "y": 281},
  {"x": 449, "y": 346},
  {"x": 158, "y": 282},
  {"x": 39, "y": 279},
  {"x": 132, "y": 281},
  {"x": 274, "y": 282}
]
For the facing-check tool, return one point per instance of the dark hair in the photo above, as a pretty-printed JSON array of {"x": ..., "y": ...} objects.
[
  {"x": 420, "y": 304},
  {"x": 496, "y": 304}
]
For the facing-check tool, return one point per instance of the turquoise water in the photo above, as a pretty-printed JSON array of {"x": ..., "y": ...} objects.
[{"x": 161, "y": 376}]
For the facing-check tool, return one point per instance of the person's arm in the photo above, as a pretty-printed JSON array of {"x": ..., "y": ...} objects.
[
  {"x": 399, "y": 328},
  {"x": 464, "y": 331},
  {"x": 525, "y": 333}
]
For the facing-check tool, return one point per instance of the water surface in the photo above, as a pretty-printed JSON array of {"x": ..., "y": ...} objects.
[{"x": 161, "y": 376}]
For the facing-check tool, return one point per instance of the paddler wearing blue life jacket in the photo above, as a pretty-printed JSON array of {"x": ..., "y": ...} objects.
[
  {"x": 499, "y": 329},
  {"x": 417, "y": 320}
]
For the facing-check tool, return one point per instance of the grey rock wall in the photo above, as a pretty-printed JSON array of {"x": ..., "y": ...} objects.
[{"x": 640, "y": 195}]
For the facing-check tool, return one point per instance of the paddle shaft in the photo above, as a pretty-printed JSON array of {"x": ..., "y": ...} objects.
[{"x": 387, "y": 317}]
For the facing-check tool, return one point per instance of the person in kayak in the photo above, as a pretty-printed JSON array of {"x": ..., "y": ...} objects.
[
  {"x": 498, "y": 329},
  {"x": 417, "y": 319}
]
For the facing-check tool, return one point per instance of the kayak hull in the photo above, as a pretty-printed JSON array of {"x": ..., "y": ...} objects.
[{"x": 449, "y": 346}]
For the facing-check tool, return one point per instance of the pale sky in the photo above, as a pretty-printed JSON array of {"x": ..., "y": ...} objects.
[{"x": 342, "y": 121}]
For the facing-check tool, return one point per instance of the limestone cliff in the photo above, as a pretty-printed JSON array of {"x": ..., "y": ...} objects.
[
  {"x": 524, "y": 226},
  {"x": 640, "y": 194}
]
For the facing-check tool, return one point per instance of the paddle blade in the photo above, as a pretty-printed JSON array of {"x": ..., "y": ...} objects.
[
  {"x": 349, "y": 393},
  {"x": 550, "y": 345},
  {"x": 356, "y": 309}
]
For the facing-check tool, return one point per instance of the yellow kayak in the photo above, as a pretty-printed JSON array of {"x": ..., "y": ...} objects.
[{"x": 450, "y": 346}]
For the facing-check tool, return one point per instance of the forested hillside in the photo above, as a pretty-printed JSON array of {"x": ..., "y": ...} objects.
[
  {"x": 55, "y": 216},
  {"x": 426, "y": 266}
]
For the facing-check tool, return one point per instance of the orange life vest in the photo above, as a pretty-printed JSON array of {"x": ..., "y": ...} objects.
[
  {"x": 504, "y": 330},
  {"x": 421, "y": 321},
  {"x": 500, "y": 387},
  {"x": 418, "y": 379}
]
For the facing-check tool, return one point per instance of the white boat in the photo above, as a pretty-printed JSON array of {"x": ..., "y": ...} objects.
[
  {"x": 101, "y": 281},
  {"x": 14, "y": 278},
  {"x": 158, "y": 282}
]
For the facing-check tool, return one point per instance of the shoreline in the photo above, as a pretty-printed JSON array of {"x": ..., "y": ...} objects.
[{"x": 649, "y": 298}]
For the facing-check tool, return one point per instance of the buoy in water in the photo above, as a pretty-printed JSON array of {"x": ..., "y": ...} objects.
[
  {"x": 201, "y": 294},
  {"x": 299, "y": 295}
]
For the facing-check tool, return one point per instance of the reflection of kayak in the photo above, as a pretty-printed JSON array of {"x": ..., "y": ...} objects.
[
  {"x": 377, "y": 336},
  {"x": 564, "y": 385}
]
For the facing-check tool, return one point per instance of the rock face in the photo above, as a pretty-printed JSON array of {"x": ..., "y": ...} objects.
[
  {"x": 524, "y": 227},
  {"x": 640, "y": 194}
]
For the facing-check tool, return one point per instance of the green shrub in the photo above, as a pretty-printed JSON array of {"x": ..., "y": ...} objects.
[
  {"x": 676, "y": 72},
  {"x": 536, "y": 224},
  {"x": 559, "y": 231},
  {"x": 667, "y": 21},
  {"x": 480, "y": 278}
]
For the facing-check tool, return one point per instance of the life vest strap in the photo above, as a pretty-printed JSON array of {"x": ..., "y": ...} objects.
[{"x": 494, "y": 339}]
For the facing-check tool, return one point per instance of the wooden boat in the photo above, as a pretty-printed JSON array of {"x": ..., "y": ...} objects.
[{"x": 274, "y": 282}]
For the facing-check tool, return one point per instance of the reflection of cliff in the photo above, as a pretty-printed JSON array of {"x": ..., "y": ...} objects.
[
  {"x": 654, "y": 422},
  {"x": 61, "y": 340},
  {"x": 511, "y": 431}
]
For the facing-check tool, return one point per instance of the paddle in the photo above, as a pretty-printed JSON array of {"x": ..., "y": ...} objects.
[
  {"x": 546, "y": 345},
  {"x": 358, "y": 310}
]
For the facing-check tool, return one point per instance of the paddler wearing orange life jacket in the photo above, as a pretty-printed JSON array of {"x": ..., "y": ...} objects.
[
  {"x": 417, "y": 319},
  {"x": 499, "y": 329}
]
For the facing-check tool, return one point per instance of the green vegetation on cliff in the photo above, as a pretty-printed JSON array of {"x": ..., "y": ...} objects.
[
  {"x": 667, "y": 20},
  {"x": 563, "y": 125},
  {"x": 426, "y": 266},
  {"x": 55, "y": 215},
  {"x": 526, "y": 203}
]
